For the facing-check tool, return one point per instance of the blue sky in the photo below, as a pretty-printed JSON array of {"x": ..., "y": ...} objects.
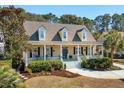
[{"x": 90, "y": 11}]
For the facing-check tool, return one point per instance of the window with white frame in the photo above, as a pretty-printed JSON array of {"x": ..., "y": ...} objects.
[
  {"x": 84, "y": 35},
  {"x": 65, "y": 35},
  {"x": 42, "y": 32}
]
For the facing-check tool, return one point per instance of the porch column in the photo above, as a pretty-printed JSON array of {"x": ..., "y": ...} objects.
[
  {"x": 90, "y": 52},
  {"x": 78, "y": 53},
  {"x": 25, "y": 58},
  {"x": 44, "y": 52},
  {"x": 102, "y": 50},
  {"x": 61, "y": 53},
  {"x": 32, "y": 50}
]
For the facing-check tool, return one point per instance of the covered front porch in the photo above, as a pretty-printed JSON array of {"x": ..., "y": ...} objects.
[{"x": 73, "y": 52}]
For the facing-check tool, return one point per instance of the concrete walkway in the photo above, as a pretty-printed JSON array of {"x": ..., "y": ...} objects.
[{"x": 116, "y": 74}]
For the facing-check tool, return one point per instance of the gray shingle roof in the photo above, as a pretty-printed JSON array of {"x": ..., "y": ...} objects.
[{"x": 31, "y": 28}]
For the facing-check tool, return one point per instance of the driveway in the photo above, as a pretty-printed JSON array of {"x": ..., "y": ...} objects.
[{"x": 116, "y": 74}]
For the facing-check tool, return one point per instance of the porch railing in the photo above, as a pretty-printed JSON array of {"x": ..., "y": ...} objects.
[{"x": 69, "y": 58}]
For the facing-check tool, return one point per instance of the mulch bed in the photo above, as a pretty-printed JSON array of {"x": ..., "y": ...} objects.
[{"x": 62, "y": 73}]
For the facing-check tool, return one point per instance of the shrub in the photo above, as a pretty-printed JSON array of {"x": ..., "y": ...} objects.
[
  {"x": 96, "y": 64},
  {"x": 9, "y": 78},
  {"x": 38, "y": 66},
  {"x": 5, "y": 63},
  {"x": 64, "y": 66},
  {"x": 28, "y": 70}
]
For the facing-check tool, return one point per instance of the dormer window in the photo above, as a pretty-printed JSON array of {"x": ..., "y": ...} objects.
[
  {"x": 65, "y": 35},
  {"x": 42, "y": 33},
  {"x": 84, "y": 35}
]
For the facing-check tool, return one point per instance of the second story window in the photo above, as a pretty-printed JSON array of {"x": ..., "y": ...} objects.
[
  {"x": 42, "y": 33},
  {"x": 64, "y": 35},
  {"x": 84, "y": 35}
]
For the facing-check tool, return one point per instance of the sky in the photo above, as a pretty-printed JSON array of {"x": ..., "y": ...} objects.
[{"x": 90, "y": 11}]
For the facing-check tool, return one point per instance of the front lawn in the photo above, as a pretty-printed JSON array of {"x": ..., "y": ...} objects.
[{"x": 77, "y": 82}]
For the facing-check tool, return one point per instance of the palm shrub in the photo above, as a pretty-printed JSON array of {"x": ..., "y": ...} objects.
[
  {"x": 113, "y": 42},
  {"x": 9, "y": 78}
]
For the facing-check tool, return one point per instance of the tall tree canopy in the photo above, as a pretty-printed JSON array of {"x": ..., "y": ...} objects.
[
  {"x": 11, "y": 25},
  {"x": 102, "y": 22},
  {"x": 88, "y": 23},
  {"x": 50, "y": 18},
  {"x": 71, "y": 19}
]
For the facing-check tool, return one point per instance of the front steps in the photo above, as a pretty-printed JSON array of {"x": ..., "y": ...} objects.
[{"x": 72, "y": 64}]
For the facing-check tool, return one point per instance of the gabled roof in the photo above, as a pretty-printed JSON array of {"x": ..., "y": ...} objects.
[{"x": 31, "y": 28}]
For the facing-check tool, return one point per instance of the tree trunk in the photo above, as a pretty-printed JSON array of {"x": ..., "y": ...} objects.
[{"x": 112, "y": 52}]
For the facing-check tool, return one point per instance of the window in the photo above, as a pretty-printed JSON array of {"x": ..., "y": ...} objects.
[
  {"x": 64, "y": 35},
  {"x": 41, "y": 33},
  {"x": 84, "y": 35}
]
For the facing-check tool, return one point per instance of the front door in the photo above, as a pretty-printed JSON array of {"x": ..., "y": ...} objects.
[{"x": 65, "y": 53}]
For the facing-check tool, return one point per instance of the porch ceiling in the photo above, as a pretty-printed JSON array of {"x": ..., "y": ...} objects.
[{"x": 63, "y": 43}]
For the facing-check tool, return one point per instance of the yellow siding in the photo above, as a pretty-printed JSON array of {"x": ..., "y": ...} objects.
[{"x": 56, "y": 49}]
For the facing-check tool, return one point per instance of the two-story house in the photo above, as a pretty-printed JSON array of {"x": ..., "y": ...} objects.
[{"x": 54, "y": 41}]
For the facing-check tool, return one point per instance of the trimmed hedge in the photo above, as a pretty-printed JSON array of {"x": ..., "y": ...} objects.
[
  {"x": 96, "y": 64},
  {"x": 49, "y": 65}
]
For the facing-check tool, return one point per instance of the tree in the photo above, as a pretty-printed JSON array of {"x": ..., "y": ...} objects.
[
  {"x": 34, "y": 17},
  {"x": 97, "y": 35},
  {"x": 116, "y": 19},
  {"x": 98, "y": 23},
  {"x": 122, "y": 22},
  {"x": 106, "y": 21},
  {"x": 9, "y": 78},
  {"x": 102, "y": 22},
  {"x": 11, "y": 24},
  {"x": 113, "y": 42},
  {"x": 50, "y": 18},
  {"x": 88, "y": 23},
  {"x": 71, "y": 19}
]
